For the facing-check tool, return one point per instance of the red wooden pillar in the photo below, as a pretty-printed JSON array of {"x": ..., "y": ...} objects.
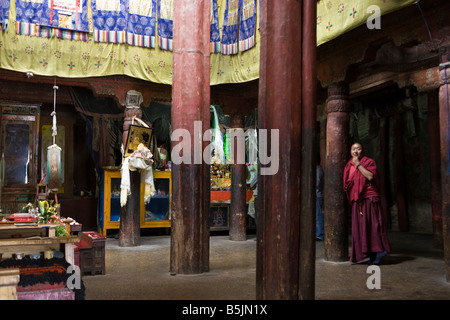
[
  {"x": 130, "y": 222},
  {"x": 189, "y": 251},
  {"x": 238, "y": 207},
  {"x": 444, "y": 124},
  {"x": 279, "y": 109},
  {"x": 337, "y": 154},
  {"x": 309, "y": 154},
  {"x": 130, "y": 225},
  {"x": 131, "y": 110},
  {"x": 435, "y": 167}
]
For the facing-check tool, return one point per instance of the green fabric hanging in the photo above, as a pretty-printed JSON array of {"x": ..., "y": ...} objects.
[{"x": 217, "y": 147}]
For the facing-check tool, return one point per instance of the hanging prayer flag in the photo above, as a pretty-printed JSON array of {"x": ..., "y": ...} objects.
[
  {"x": 247, "y": 28},
  {"x": 215, "y": 33},
  {"x": 141, "y": 23},
  {"x": 110, "y": 20},
  {"x": 230, "y": 27},
  {"x": 65, "y": 14},
  {"x": 4, "y": 13},
  {"x": 54, "y": 167},
  {"x": 165, "y": 24}
]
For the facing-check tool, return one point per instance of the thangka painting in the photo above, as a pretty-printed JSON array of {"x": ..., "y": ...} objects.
[{"x": 136, "y": 136}]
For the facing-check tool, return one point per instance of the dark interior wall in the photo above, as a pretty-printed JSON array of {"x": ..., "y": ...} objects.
[
  {"x": 417, "y": 167},
  {"x": 82, "y": 208},
  {"x": 407, "y": 163},
  {"x": 81, "y": 175},
  {"x": 65, "y": 117},
  {"x": 85, "y": 179}
]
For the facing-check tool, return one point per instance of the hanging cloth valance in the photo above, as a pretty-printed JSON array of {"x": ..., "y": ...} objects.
[
  {"x": 247, "y": 30},
  {"x": 141, "y": 23},
  {"x": 165, "y": 24},
  {"x": 214, "y": 29},
  {"x": 109, "y": 17},
  {"x": 230, "y": 27},
  {"x": 28, "y": 17}
]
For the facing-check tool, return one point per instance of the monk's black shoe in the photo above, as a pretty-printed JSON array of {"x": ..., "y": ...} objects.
[{"x": 379, "y": 256}]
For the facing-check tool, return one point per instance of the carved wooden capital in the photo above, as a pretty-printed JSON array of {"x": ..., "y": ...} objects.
[
  {"x": 338, "y": 105},
  {"x": 337, "y": 100}
]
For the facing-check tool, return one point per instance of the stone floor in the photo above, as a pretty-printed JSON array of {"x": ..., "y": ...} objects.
[{"x": 414, "y": 270}]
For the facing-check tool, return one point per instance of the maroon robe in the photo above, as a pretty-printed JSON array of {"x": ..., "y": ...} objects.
[{"x": 369, "y": 232}]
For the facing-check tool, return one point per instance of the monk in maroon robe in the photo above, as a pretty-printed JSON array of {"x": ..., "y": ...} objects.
[{"x": 362, "y": 186}]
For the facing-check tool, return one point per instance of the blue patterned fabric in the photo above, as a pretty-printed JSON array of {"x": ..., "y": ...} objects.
[
  {"x": 66, "y": 14},
  {"x": 247, "y": 25},
  {"x": 230, "y": 29},
  {"x": 165, "y": 24},
  {"x": 136, "y": 22},
  {"x": 141, "y": 17},
  {"x": 110, "y": 20},
  {"x": 28, "y": 12},
  {"x": 214, "y": 29},
  {"x": 4, "y": 13}
]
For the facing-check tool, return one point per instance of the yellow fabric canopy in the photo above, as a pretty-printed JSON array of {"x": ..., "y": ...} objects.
[
  {"x": 77, "y": 59},
  {"x": 337, "y": 17}
]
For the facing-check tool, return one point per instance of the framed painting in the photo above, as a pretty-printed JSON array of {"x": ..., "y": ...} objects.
[
  {"x": 136, "y": 136},
  {"x": 219, "y": 217}
]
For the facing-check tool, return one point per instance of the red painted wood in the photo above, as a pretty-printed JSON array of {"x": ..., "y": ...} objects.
[
  {"x": 190, "y": 105},
  {"x": 279, "y": 109},
  {"x": 337, "y": 155},
  {"x": 309, "y": 154}
]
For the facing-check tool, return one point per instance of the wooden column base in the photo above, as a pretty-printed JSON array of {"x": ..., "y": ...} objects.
[{"x": 130, "y": 226}]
